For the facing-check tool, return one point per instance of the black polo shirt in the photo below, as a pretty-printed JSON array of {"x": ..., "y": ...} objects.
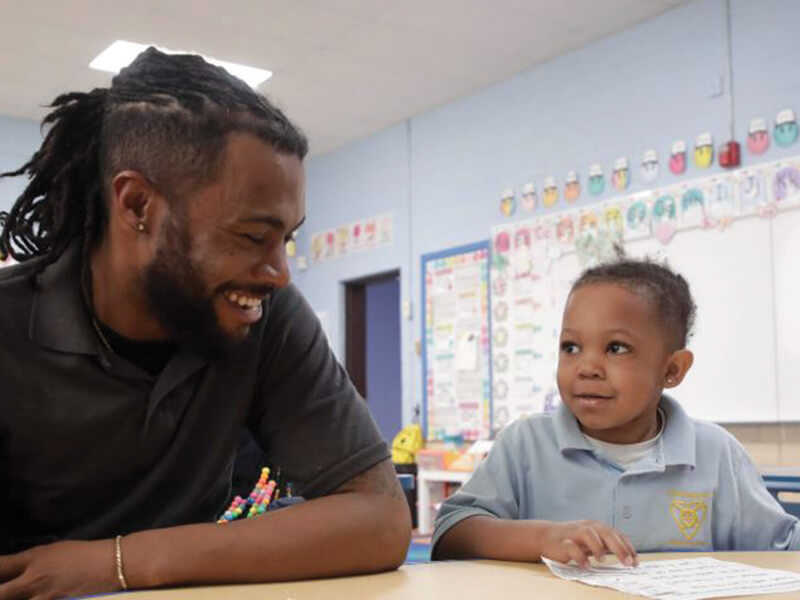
[{"x": 92, "y": 446}]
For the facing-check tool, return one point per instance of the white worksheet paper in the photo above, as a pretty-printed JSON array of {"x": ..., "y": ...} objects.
[{"x": 687, "y": 579}]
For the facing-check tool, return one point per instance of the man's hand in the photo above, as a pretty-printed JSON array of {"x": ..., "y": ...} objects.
[
  {"x": 578, "y": 540},
  {"x": 59, "y": 570}
]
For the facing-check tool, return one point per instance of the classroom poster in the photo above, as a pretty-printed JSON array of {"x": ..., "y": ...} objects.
[
  {"x": 456, "y": 344},
  {"x": 350, "y": 238},
  {"x": 522, "y": 316}
]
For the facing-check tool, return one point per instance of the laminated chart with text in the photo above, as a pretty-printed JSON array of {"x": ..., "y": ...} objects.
[{"x": 456, "y": 360}]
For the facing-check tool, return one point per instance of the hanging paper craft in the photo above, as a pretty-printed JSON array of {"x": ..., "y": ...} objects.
[
  {"x": 502, "y": 246},
  {"x": 650, "y": 166},
  {"x": 330, "y": 244},
  {"x": 528, "y": 197},
  {"x": 665, "y": 217},
  {"x": 507, "y": 203},
  {"x": 370, "y": 233},
  {"x": 637, "y": 216},
  {"x": 786, "y": 184},
  {"x": 752, "y": 190},
  {"x": 317, "y": 247},
  {"x": 595, "y": 243},
  {"x": 785, "y": 128},
  {"x": 550, "y": 193},
  {"x": 357, "y": 236},
  {"x": 597, "y": 181},
  {"x": 703, "y": 151},
  {"x": 692, "y": 205},
  {"x": 758, "y": 137},
  {"x": 585, "y": 238},
  {"x": 621, "y": 177},
  {"x": 587, "y": 222},
  {"x": 612, "y": 218},
  {"x": 342, "y": 240},
  {"x": 523, "y": 256},
  {"x": 565, "y": 231},
  {"x": 720, "y": 200},
  {"x": 572, "y": 187},
  {"x": 385, "y": 230},
  {"x": 677, "y": 159}
]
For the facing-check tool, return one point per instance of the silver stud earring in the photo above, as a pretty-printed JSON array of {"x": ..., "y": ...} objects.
[{"x": 140, "y": 226}]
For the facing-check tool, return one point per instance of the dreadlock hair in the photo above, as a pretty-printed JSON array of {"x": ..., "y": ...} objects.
[
  {"x": 667, "y": 290},
  {"x": 166, "y": 116}
]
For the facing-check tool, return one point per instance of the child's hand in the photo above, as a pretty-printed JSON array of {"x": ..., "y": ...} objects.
[{"x": 578, "y": 540}]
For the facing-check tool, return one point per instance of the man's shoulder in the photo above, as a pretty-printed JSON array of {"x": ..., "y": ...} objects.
[
  {"x": 18, "y": 270},
  {"x": 18, "y": 281},
  {"x": 287, "y": 308},
  {"x": 17, "y": 290}
]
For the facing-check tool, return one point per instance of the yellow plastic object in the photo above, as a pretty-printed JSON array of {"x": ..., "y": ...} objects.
[{"x": 405, "y": 445}]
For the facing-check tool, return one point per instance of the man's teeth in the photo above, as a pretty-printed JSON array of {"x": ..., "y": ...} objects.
[{"x": 242, "y": 300}]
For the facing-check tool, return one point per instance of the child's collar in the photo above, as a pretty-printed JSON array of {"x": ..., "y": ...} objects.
[{"x": 678, "y": 438}]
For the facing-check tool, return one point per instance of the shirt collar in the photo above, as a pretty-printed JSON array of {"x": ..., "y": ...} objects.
[
  {"x": 678, "y": 438},
  {"x": 59, "y": 318},
  {"x": 568, "y": 432}
]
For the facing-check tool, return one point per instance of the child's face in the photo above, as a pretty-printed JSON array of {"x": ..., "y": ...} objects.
[{"x": 615, "y": 358}]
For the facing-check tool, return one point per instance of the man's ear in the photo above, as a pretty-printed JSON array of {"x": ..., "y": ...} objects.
[
  {"x": 677, "y": 366},
  {"x": 135, "y": 200}
]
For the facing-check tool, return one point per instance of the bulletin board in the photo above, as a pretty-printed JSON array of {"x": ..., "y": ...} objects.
[
  {"x": 735, "y": 236},
  {"x": 456, "y": 358}
]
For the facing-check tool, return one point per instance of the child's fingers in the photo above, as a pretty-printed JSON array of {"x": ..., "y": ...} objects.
[
  {"x": 575, "y": 552},
  {"x": 613, "y": 541},
  {"x": 630, "y": 546},
  {"x": 591, "y": 539}
]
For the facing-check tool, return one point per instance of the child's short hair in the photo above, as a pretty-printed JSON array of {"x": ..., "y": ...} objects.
[{"x": 668, "y": 290}]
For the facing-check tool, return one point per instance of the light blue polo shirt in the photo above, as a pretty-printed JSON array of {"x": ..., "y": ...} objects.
[{"x": 697, "y": 489}]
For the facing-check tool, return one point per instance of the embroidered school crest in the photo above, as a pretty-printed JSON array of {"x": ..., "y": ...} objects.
[{"x": 689, "y": 511}]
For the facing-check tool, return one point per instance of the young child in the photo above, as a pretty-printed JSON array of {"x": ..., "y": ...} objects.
[{"x": 618, "y": 468}]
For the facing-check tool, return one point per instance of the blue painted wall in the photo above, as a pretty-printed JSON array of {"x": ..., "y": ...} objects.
[
  {"x": 19, "y": 139},
  {"x": 384, "y": 385},
  {"x": 442, "y": 173}
]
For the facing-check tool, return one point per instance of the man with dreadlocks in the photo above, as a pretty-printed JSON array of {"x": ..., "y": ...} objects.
[{"x": 149, "y": 323}]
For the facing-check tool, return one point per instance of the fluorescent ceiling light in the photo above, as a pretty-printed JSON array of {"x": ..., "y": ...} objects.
[{"x": 121, "y": 53}]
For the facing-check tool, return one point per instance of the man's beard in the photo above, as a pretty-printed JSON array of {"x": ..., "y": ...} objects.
[{"x": 176, "y": 296}]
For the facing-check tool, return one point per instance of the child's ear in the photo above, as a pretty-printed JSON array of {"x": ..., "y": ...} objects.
[{"x": 678, "y": 365}]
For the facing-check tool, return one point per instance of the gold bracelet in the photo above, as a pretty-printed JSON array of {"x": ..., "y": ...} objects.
[{"x": 118, "y": 555}]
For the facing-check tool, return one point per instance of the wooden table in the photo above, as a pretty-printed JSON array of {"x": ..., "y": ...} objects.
[{"x": 459, "y": 580}]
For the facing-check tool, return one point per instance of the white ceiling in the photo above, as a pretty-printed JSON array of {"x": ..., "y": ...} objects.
[{"x": 343, "y": 69}]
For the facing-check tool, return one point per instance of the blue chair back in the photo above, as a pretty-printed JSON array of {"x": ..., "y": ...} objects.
[{"x": 784, "y": 483}]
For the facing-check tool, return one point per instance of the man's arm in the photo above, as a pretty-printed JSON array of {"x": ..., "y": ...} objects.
[{"x": 362, "y": 527}]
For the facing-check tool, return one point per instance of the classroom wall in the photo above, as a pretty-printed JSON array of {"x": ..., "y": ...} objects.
[
  {"x": 19, "y": 138},
  {"x": 442, "y": 172}
]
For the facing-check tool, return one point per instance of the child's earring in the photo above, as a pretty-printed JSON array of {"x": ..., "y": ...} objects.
[
  {"x": 670, "y": 380},
  {"x": 140, "y": 227}
]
